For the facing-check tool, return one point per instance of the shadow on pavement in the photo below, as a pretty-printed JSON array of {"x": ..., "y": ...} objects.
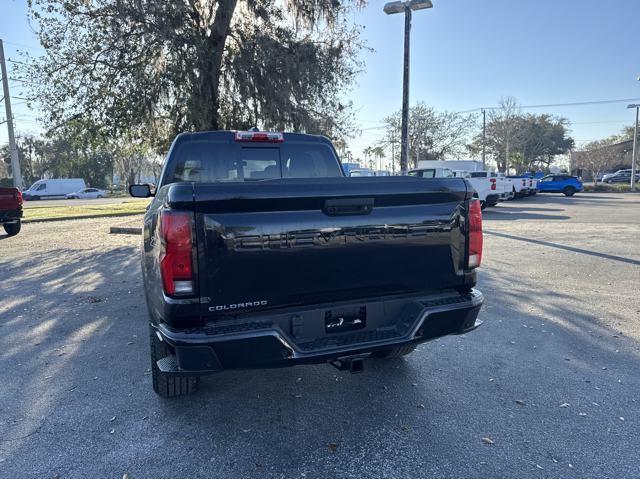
[
  {"x": 565, "y": 247},
  {"x": 514, "y": 214},
  {"x": 77, "y": 398}
]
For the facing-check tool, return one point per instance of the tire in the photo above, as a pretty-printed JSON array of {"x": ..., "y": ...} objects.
[
  {"x": 393, "y": 353},
  {"x": 12, "y": 229},
  {"x": 569, "y": 191},
  {"x": 167, "y": 385}
]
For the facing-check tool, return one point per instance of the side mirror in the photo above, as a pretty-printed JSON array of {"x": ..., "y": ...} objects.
[{"x": 140, "y": 191}]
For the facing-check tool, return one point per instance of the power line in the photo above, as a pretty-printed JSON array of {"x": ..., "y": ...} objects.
[
  {"x": 24, "y": 45},
  {"x": 553, "y": 105}
]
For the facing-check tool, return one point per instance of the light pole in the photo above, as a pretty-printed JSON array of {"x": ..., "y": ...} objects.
[
  {"x": 635, "y": 145},
  {"x": 407, "y": 7}
]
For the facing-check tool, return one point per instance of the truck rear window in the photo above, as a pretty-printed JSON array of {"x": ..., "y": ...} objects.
[{"x": 209, "y": 162}]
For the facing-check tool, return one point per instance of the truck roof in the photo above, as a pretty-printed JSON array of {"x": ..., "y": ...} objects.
[{"x": 230, "y": 135}]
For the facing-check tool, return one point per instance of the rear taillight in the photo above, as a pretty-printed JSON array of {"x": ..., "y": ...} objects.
[
  {"x": 266, "y": 136},
  {"x": 176, "y": 258},
  {"x": 531, "y": 183},
  {"x": 475, "y": 234},
  {"x": 19, "y": 198},
  {"x": 524, "y": 182},
  {"x": 493, "y": 183}
]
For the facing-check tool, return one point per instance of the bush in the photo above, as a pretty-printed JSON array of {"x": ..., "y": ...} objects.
[{"x": 609, "y": 188}]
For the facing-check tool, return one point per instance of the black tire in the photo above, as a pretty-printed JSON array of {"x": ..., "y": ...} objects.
[
  {"x": 394, "y": 352},
  {"x": 35, "y": 198},
  {"x": 12, "y": 229},
  {"x": 569, "y": 191},
  {"x": 167, "y": 385}
]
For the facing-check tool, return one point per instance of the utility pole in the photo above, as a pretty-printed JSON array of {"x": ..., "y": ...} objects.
[
  {"x": 634, "y": 152},
  {"x": 13, "y": 149},
  {"x": 484, "y": 139},
  {"x": 405, "y": 7},
  {"x": 393, "y": 153},
  {"x": 404, "y": 140}
]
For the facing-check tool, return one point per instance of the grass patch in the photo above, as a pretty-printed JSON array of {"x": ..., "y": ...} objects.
[{"x": 39, "y": 213}]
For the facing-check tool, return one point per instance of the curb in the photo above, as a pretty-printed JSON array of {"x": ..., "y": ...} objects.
[
  {"x": 81, "y": 217},
  {"x": 120, "y": 230}
]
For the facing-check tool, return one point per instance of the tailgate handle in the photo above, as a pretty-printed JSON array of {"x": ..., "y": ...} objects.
[{"x": 346, "y": 207}]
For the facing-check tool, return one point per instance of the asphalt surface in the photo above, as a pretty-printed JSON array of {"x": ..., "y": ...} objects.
[{"x": 550, "y": 380}]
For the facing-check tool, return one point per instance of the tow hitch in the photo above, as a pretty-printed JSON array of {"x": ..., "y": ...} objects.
[{"x": 351, "y": 364}]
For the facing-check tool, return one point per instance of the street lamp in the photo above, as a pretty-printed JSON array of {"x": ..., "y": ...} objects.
[
  {"x": 635, "y": 144},
  {"x": 407, "y": 7}
]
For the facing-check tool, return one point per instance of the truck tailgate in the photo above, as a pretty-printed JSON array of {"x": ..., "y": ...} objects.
[{"x": 285, "y": 242}]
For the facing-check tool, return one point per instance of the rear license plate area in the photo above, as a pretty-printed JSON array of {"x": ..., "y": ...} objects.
[{"x": 342, "y": 320}]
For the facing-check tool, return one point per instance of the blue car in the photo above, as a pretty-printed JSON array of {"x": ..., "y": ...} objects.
[{"x": 568, "y": 185}]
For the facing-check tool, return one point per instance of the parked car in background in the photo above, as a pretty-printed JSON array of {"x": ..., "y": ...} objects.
[
  {"x": 486, "y": 188},
  {"x": 620, "y": 176},
  {"x": 504, "y": 185},
  {"x": 566, "y": 184},
  {"x": 10, "y": 210},
  {"x": 258, "y": 253},
  {"x": 362, "y": 172},
  {"x": 432, "y": 173},
  {"x": 348, "y": 167},
  {"x": 53, "y": 189},
  {"x": 383, "y": 173},
  {"x": 520, "y": 186},
  {"x": 87, "y": 193}
]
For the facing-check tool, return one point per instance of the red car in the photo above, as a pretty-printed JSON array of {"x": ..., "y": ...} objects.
[{"x": 10, "y": 210}]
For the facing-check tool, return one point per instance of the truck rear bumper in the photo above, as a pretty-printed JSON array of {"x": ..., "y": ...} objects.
[
  {"x": 305, "y": 337},
  {"x": 493, "y": 199},
  {"x": 10, "y": 216}
]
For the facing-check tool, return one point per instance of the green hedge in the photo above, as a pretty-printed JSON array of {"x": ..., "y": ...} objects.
[{"x": 609, "y": 188}]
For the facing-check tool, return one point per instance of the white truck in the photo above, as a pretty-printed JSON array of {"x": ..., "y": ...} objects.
[
  {"x": 436, "y": 172},
  {"x": 504, "y": 186},
  {"x": 486, "y": 187},
  {"x": 53, "y": 189},
  {"x": 522, "y": 186}
]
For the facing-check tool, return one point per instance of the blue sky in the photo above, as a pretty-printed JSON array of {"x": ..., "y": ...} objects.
[{"x": 468, "y": 54}]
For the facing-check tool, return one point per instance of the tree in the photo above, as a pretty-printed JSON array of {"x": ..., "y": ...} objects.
[
  {"x": 539, "y": 139},
  {"x": 432, "y": 135},
  {"x": 522, "y": 141},
  {"x": 155, "y": 68}
]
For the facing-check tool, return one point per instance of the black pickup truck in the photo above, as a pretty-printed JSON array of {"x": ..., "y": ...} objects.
[{"x": 259, "y": 252}]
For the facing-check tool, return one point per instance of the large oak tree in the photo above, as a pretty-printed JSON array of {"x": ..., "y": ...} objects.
[{"x": 152, "y": 68}]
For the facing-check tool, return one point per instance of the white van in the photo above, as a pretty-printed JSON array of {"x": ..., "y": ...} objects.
[{"x": 53, "y": 189}]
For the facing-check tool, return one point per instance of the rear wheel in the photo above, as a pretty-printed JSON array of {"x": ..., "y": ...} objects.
[
  {"x": 12, "y": 229},
  {"x": 569, "y": 191},
  {"x": 394, "y": 352},
  {"x": 166, "y": 385}
]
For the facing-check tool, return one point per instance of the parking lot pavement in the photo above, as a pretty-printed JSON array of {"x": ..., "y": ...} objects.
[{"x": 547, "y": 387}]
